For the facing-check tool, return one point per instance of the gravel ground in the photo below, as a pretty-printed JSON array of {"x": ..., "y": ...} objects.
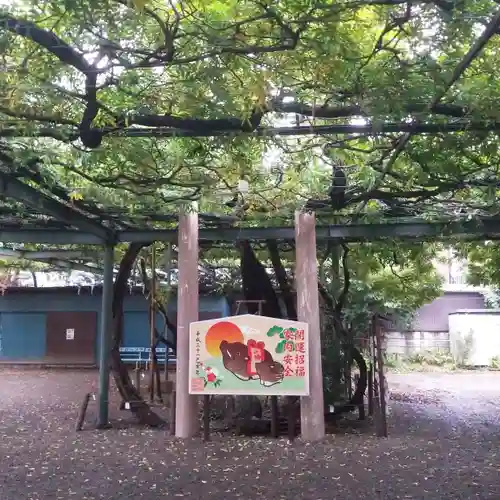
[{"x": 444, "y": 437}]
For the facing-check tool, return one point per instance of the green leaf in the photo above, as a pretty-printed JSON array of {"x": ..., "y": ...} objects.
[
  {"x": 280, "y": 348},
  {"x": 282, "y": 335},
  {"x": 274, "y": 330},
  {"x": 75, "y": 195},
  {"x": 139, "y": 4}
]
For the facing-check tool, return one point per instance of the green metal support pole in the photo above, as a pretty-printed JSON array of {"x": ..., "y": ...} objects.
[{"x": 105, "y": 337}]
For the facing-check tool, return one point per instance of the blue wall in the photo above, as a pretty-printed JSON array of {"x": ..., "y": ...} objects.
[
  {"x": 22, "y": 336},
  {"x": 23, "y": 319}
]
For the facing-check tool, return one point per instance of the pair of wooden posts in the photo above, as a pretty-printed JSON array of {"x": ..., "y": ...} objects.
[{"x": 312, "y": 406}]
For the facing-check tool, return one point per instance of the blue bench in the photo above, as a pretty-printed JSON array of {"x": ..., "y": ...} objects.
[{"x": 139, "y": 355}]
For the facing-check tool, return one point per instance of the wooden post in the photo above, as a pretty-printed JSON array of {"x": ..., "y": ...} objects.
[
  {"x": 83, "y": 411},
  {"x": 370, "y": 389},
  {"x": 158, "y": 383},
  {"x": 105, "y": 338},
  {"x": 168, "y": 270},
  {"x": 312, "y": 406},
  {"x": 186, "y": 412},
  {"x": 375, "y": 381},
  {"x": 382, "y": 429},
  {"x": 291, "y": 417},
  {"x": 152, "y": 325},
  {"x": 361, "y": 406},
  {"x": 361, "y": 410},
  {"x": 138, "y": 378}
]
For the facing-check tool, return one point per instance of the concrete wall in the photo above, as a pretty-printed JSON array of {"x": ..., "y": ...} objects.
[
  {"x": 23, "y": 318},
  {"x": 429, "y": 330},
  {"x": 475, "y": 336},
  {"x": 408, "y": 343}
]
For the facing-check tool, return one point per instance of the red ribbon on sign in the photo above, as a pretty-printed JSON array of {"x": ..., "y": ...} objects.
[{"x": 255, "y": 355}]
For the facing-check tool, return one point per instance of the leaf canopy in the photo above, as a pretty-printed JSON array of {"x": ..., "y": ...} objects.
[
  {"x": 92, "y": 88},
  {"x": 126, "y": 109}
]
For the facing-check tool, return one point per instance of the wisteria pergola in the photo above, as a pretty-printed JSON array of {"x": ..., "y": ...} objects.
[
  {"x": 31, "y": 215},
  {"x": 44, "y": 219}
]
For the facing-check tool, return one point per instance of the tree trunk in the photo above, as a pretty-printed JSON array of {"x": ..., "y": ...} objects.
[
  {"x": 257, "y": 285},
  {"x": 354, "y": 353},
  {"x": 282, "y": 279},
  {"x": 160, "y": 337},
  {"x": 121, "y": 375}
]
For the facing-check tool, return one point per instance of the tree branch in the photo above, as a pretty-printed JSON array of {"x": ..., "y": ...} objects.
[
  {"x": 417, "y": 194},
  {"x": 451, "y": 110},
  {"x": 330, "y": 305},
  {"x": 160, "y": 308},
  {"x": 28, "y": 115},
  {"x": 347, "y": 282},
  {"x": 282, "y": 279},
  {"x": 58, "y": 133},
  {"x": 383, "y": 128},
  {"x": 197, "y": 125},
  {"x": 68, "y": 135},
  {"x": 167, "y": 36},
  {"x": 48, "y": 40},
  {"x": 490, "y": 30}
]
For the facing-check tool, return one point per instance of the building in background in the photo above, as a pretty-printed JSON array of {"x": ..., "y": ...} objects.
[
  {"x": 430, "y": 329},
  {"x": 60, "y": 325},
  {"x": 34, "y": 303}
]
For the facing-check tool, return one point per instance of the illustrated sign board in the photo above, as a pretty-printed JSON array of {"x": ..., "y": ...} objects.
[
  {"x": 70, "y": 334},
  {"x": 249, "y": 355}
]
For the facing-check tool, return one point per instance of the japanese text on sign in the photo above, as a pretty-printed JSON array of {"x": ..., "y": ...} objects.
[{"x": 198, "y": 349}]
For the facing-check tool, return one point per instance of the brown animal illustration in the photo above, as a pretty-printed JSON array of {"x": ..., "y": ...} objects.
[
  {"x": 269, "y": 371},
  {"x": 236, "y": 360}
]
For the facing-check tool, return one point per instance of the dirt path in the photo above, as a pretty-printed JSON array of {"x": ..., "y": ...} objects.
[{"x": 444, "y": 437}]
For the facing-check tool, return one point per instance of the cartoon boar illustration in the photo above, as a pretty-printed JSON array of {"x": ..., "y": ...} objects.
[
  {"x": 236, "y": 359},
  {"x": 269, "y": 371}
]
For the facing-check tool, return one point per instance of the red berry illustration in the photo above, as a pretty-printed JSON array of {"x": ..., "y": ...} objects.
[{"x": 211, "y": 377}]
